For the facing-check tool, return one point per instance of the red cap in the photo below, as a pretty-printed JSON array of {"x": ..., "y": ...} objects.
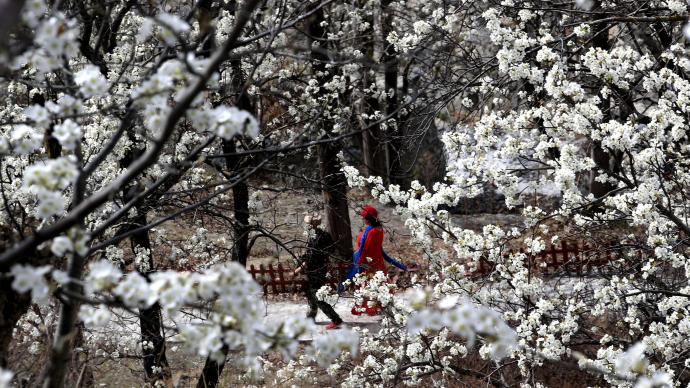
[{"x": 369, "y": 210}]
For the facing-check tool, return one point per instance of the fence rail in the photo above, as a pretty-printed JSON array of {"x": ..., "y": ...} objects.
[
  {"x": 568, "y": 257},
  {"x": 279, "y": 279}
]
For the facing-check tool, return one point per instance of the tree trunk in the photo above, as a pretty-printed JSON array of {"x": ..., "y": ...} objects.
[
  {"x": 210, "y": 375},
  {"x": 390, "y": 62},
  {"x": 601, "y": 158},
  {"x": 334, "y": 186},
  {"x": 12, "y": 306},
  {"x": 240, "y": 193},
  {"x": 334, "y": 183},
  {"x": 240, "y": 203},
  {"x": 373, "y": 146},
  {"x": 154, "y": 360},
  {"x": 10, "y": 15},
  {"x": 66, "y": 332},
  {"x": 156, "y": 367}
]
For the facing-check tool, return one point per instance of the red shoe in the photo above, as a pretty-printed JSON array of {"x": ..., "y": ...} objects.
[
  {"x": 373, "y": 311},
  {"x": 332, "y": 326}
]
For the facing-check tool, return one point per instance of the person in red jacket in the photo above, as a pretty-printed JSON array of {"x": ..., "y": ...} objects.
[{"x": 370, "y": 257}]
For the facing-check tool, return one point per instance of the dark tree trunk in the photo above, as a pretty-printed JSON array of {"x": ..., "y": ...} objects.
[
  {"x": 390, "y": 62},
  {"x": 12, "y": 306},
  {"x": 240, "y": 192},
  {"x": 373, "y": 147},
  {"x": 68, "y": 332},
  {"x": 154, "y": 360},
  {"x": 210, "y": 375},
  {"x": 334, "y": 183},
  {"x": 10, "y": 15},
  {"x": 334, "y": 186},
  {"x": 601, "y": 157},
  {"x": 240, "y": 202},
  {"x": 156, "y": 367}
]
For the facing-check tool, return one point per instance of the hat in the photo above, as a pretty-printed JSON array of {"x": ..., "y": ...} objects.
[{"x": 370, "y": 211}]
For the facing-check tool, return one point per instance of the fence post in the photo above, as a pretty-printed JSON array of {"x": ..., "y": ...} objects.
[
  {"x": 283, "y": 287},
  {"x": 554, "y": 256},
  {"x": 564, "y": 252},
  {"x": 264, "y": 284},
  {"x": 583, "y": 258},
  {"x": 271, "y": 274}
]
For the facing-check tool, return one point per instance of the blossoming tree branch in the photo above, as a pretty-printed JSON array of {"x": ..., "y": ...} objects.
[{"x": 150, "y": 152}]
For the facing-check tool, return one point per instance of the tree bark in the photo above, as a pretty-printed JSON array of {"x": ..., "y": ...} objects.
[
  {"x": 334, "y": 183},
  {"x": 373, "y": 147},
  {"x": 240, "y": 193},
  {"x": 390, "y": 62},
  {"x": 210, "y": 375},
  {"x": 12, "y": 306},
  {"x": 154, "y": 360},
  {"x": 240, "y": 203},
  {"x": 66, "y": 332},
  {"x": 10, "y": 15},
  {"x": 601, "y": 158},
  {"x": 156, "y": 367}
]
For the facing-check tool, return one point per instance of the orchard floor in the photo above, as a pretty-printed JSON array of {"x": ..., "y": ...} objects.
[
  {"x": 122, "y": 371},
  {"x": 279, "y": 311},
  {"x": 284, "y": 219}
]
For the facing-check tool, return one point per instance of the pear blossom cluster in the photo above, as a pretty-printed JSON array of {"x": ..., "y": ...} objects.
[
  {"x": 47, "y": 180},
  {"x": 5, "y": 378},
  {"x": 91, "y": 82},
  {"x": 542, "y": 141},
  {"x": 567, "y": 102},
  {"x": 236, "y": 313},
  {"x": 56, "y": 40},
  {"x": 469, "y": 321}
]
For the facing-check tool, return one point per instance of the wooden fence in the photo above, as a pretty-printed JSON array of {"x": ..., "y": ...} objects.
[
  {"x": 567, "y": 258},
  {"x": 279, "y": 279}
]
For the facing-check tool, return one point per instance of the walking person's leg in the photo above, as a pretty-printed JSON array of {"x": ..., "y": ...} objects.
[
  {"x": 325, "y": 307},
  {"x": 313, "y": 302},
  {"x": 330, "y": 312}
]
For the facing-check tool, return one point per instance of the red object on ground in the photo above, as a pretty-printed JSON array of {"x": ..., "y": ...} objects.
[
  {"x": 332, "y": 326},
  {"x": 369, "y": 210}
]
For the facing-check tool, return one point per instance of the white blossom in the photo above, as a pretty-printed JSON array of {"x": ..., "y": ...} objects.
[
  {"x": 94, "y": 316},
  {"x": 91, "y": 82},
  {"x": 28, "y": 278},
  {"x": 6, "y": 378},
  {"x": 68, "y": 134}
]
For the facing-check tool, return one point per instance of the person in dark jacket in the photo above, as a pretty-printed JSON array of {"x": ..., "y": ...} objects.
[{"x": 315, "y": 266}]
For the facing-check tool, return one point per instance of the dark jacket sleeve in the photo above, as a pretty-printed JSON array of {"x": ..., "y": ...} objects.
[
  {"x": 319, "y": 249},
  {"x": 326, "y": 244}
]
